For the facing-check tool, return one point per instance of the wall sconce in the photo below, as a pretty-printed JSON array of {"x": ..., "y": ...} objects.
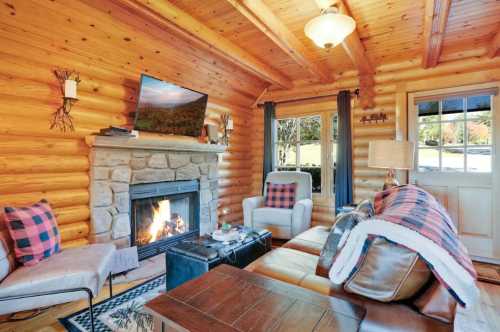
[
  {"x": 62, "y": 118},
  {"x": 228, "y": 127}
]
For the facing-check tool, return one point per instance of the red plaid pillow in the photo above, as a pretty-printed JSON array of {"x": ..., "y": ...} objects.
[
  {"x": 280, "y": 196},
  {"x": 34, "y": 231}
]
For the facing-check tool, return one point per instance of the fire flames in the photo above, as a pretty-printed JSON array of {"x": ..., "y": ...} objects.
[{"x": 165, "y": 223}]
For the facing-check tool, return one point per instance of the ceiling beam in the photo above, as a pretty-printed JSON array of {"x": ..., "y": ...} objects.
[
  {"x": 495, "y": 45},
  {"x": 173, "y": 18},
  {"x": 257, "y": 12},
  {"x": 356, "y": 51},
  {"x": 435, "y": 18}
]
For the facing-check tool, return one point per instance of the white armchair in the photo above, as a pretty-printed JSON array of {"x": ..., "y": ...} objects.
[{"x": 283, "y": 223}]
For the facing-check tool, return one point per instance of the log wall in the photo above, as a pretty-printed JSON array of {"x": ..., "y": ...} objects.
[
  {"x": 392, "y": 84},
  {"x": 92, "y": 38}
]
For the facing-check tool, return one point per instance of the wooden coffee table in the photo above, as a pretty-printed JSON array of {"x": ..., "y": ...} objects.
[{"x": 230, "y": 299}]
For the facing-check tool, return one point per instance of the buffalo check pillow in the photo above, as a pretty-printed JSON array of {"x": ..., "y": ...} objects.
[
  {"x": 280, "y": 196},
  {"x": 34, "y": 232}
]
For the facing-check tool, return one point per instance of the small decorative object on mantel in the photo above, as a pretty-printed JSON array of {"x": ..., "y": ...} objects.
[
  {"x": 228, "y": 127},
  {"x": 62, "y": 118},
  {"x": 212, "y": 133},
  {"x": 374, "y": 117}
]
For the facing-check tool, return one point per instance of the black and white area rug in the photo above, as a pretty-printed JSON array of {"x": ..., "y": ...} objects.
[{"x": 122, "y": 313}]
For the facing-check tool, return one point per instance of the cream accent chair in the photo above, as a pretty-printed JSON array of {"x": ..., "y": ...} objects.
[
  {"x": 283, "y": 223},
  {"x": 70, "y": 275}
]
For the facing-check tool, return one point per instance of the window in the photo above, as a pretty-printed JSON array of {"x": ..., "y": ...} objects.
[
  {"x": 298, "y": 147},
  {"x": 454, "y": 134}
]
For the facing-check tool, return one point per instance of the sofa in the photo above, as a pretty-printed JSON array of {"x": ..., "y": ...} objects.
[{"x": 295, "y": 263}]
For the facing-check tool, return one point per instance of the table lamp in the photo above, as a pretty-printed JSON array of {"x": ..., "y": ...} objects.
[{"x": 391, "y": 155}]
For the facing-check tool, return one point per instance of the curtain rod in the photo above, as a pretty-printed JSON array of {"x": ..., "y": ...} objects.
[{"x": 355, "y": 92}]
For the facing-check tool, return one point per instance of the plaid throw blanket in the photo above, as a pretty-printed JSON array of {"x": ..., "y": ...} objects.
[
  {"x": 416, "y": 209},
  {"x": 411, "y": 217}
]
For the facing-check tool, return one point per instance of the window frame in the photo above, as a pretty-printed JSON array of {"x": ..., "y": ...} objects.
[
  {"x": 408, "y": 125},
  {"x": 465, "y": 146},
  {"x": 326, "y": 142}
]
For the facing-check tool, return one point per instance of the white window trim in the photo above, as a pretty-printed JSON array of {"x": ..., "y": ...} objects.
[
  {"x": 327, "y": 164},
  {"x": 413, "y": 125}
]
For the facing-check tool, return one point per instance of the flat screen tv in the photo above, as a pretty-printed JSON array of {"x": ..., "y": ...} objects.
[{"x": 169, "y": 109}]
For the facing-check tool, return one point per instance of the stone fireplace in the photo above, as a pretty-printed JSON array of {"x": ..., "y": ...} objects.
[{"x": 135, "y": 182}]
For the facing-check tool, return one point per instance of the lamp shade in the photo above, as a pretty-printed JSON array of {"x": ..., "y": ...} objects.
[
  {"x": 391, "y": 154},
  {"x": 329, "y": 29}
]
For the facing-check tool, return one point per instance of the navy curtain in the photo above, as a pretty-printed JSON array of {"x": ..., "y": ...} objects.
[
  {"x": 343, "y": 173},
  {"x": 269, "y": 118}
]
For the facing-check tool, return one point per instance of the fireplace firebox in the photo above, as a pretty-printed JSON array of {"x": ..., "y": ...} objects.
[{"x": 162, "y": 214}]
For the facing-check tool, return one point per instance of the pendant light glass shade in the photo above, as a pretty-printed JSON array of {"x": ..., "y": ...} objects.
[{"x": 329, "y": 29}]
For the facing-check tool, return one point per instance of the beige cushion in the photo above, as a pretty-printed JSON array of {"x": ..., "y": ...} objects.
[
  {"x": 86, "y": 266},
  {"x": 310, "y": 241},
  {"x": 388, "y": 273},
  {"x": 277, "y": 221},
  {"x": 285, "y": 264}
]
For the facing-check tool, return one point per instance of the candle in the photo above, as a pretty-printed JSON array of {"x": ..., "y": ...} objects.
[
  {"x": 70, "y": 89},
  {"x": 230, "y": 124}
]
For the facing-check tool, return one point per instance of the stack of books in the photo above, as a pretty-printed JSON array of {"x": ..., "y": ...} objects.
[{"x": 117, "y": 131}]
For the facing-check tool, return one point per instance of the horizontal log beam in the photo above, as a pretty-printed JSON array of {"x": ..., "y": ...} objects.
[
  {"x": 435, "y": 18},
  {"x": 57, "y": 199},
  {"x": 257, "y": 12},
  {"x": 166, "y": 15},
  {"x": 18, "y": 164}
]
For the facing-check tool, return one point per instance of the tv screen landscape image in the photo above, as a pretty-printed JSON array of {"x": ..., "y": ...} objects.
[{"x": 169, "y": 109}]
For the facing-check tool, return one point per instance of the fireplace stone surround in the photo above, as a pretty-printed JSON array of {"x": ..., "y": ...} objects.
[{"x": 118, "y": 162}]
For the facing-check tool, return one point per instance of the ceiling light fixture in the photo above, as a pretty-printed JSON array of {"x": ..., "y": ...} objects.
[{"x": 330, "y": 28}]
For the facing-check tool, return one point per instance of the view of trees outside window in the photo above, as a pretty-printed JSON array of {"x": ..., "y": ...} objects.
[
  {"x": 454, "y": 134},
  {"x": 298, "y": 147}
]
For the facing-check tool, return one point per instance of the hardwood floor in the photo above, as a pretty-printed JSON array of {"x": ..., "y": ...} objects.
[{"x": 485, "y": 317}]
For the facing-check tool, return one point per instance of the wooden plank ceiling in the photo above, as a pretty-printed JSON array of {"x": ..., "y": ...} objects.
[{"x": 267, "y": 36}]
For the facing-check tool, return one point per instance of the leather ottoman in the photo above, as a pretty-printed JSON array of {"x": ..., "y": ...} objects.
[{"x": 188, "y": 261}]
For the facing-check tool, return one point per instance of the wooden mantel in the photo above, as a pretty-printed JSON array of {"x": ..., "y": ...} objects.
[{"x": 167, "y": 144}]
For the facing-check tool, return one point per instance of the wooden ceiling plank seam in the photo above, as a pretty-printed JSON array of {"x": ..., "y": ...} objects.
[
  {"x": 268, "y": 23},
  {"x": 494, "y": 45},
  {"x": 435, "y": 19},
  {"x": 174, "y": 19}
]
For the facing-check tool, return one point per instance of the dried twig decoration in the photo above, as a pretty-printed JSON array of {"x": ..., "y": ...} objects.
[
  {"x": 62, "y": 118},
  {"x": 227, "y": 127}
]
